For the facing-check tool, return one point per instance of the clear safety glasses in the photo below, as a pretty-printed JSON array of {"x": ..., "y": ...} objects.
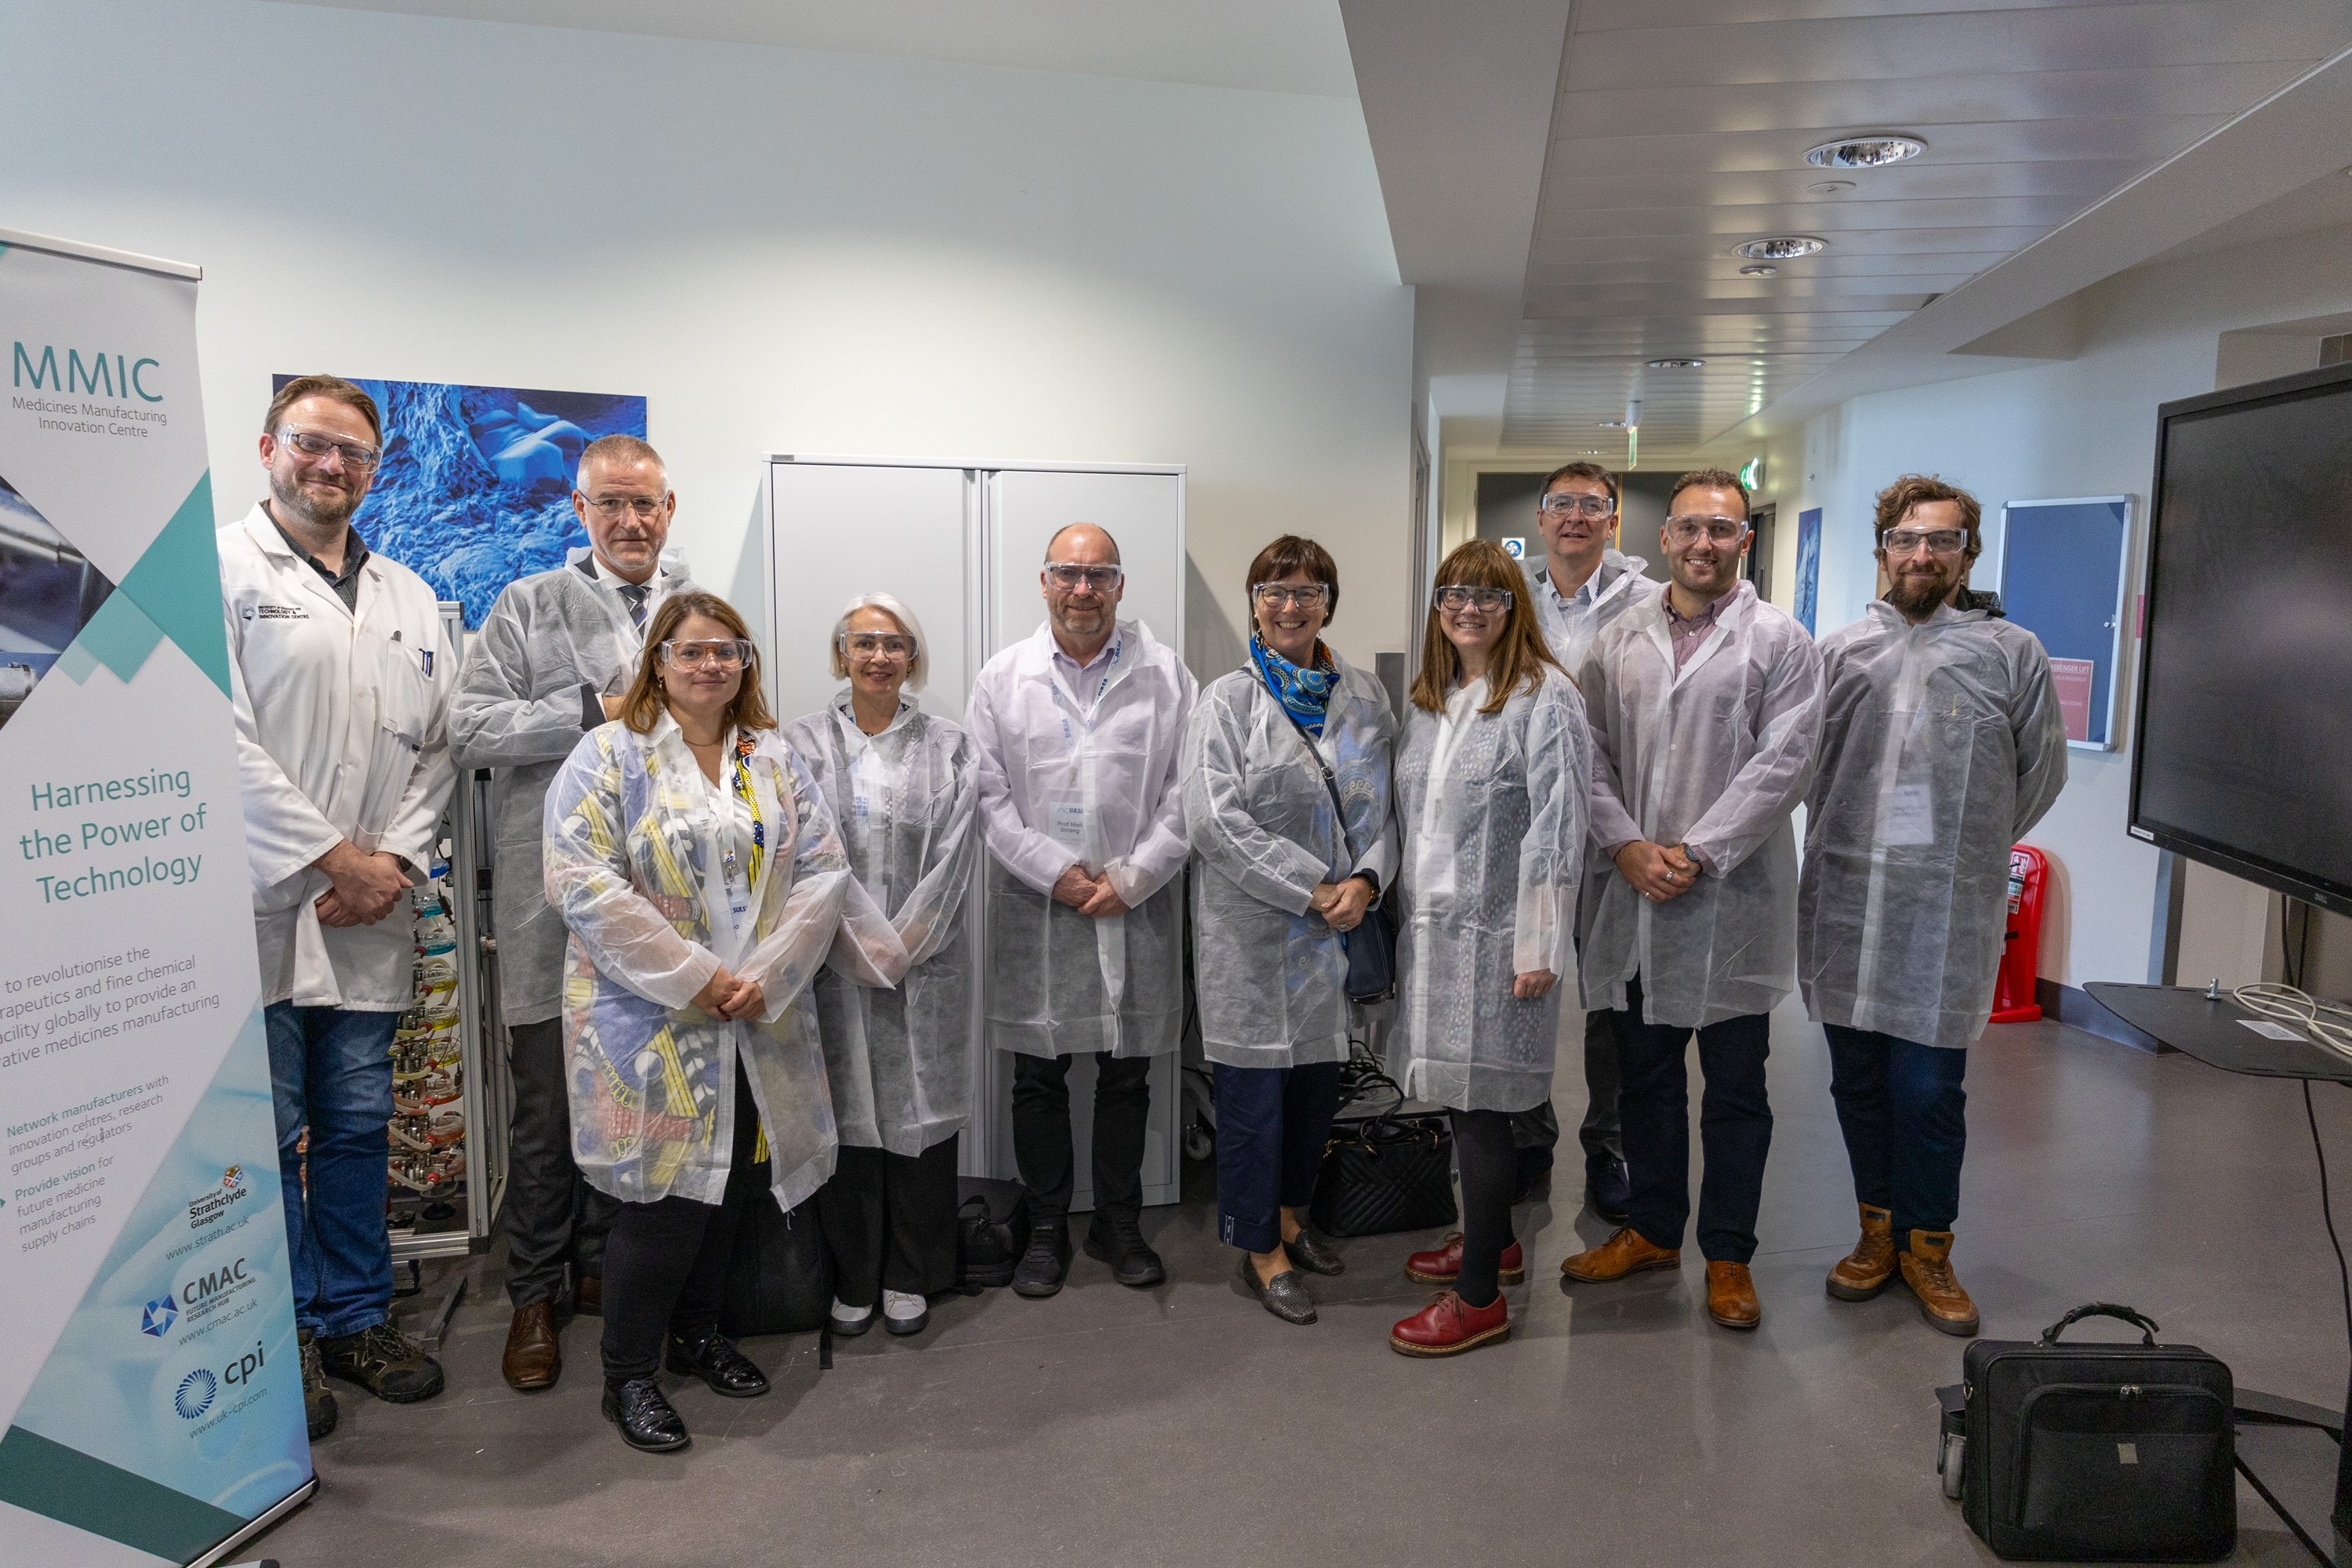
[
  {"x": 877, "y": 645},
  {"x": 613, "y": 509},
  {"x": 1717, "y": 529},
  {"x": 1487, "y": 601},
  {"x": 1939, "y": 540},
  {"x": 1597, "y": 508},
  {"x": 730, "y": 653},
  {"x": 1069, "y": 577},
  {"x": 315, "y": 446},
  {"x": 1307, "y": 596}
]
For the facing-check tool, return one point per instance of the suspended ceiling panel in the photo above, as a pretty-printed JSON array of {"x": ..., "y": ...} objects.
[{"x": 1680, "y": 128}]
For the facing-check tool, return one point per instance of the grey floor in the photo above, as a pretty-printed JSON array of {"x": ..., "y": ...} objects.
[{"x": 1185, "y": 1425}]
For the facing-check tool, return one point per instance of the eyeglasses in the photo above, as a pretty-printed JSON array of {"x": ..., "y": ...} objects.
[
  {"x": 315, "y": 446},
  {"x": 866, "y": 644},
  {"x": 1720, "y": 530},
  {"x": 1454, "y": 596},
  {"x": 1563, "y": 505},
  {"x": 1068, "y": 577},
  {"x": 612, "y": 508},
  {"x": 733, "y": 653},
  {"x": 1940, "y": 542},
  {"x": 1307, "y": 595}
]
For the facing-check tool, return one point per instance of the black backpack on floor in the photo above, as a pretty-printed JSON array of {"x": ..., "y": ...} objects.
[
  {"x": 992, "y": 1229},
  {"x": 780, "y": 1281},
  {"x": 2099, "y": 1452}
]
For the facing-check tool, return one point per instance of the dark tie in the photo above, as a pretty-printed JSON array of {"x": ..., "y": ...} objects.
[{"x": 634, "y": 595}]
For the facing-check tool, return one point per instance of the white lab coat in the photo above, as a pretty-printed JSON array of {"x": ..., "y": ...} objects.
[
  {"x": 1942, "y": 743},
  {"x": 1060, "y": 787},
  {"x": 341, "y": 728},
  {"x": 1716, "y": 757},
  {"x": 519, "y": 709},
  {"x": 1617, "y": 586}
]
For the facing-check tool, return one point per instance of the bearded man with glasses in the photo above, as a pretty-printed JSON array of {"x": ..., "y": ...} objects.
[
  {"x": 1706, "y": 705},
  {"x": 550, "y": 664},
  {"x": 340, "y": 677},
  {"x": 1943, "y": 745}
]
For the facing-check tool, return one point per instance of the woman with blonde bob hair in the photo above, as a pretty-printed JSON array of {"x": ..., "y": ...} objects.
[
  {"x": 1490, "y": 793},
  {"x": 693, "y": 858}
]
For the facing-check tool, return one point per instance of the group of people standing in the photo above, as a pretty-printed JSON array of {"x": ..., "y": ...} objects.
[{"x": 731, "y": 955}]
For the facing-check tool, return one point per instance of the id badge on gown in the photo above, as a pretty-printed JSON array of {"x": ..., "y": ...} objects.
[
  {"x": 1910, "y": 816},
  {"x": 1065, "y": 823}
]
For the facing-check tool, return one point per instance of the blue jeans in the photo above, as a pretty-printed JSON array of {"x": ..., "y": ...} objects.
[
  {"x": 1272, "y": 1125},
  {"x": 332, "y": 1070},
  {"x": 1904, "y": 1115}
]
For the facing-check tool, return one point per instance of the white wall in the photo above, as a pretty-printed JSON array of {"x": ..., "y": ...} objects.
[
  {"x": 784, "y": 250},
  {"x": 2078, "y": 428}
]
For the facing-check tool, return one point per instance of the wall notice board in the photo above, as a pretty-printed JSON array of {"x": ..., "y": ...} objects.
[{"x": 2064, "y": 567}]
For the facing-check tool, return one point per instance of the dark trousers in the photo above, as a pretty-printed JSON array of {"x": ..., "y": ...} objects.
[
  {"x": 1735, "y": 1126},
  {"x": 1906, "y": 1119},
  {"x": 1604, "y": 1131},
  {"x": 891, "y": 1222},
  {"x": 666, "y": 1261},
  {"x": 551, "y": 1218},
  {"x": 1041, "y": 1135},
  {"x": 1489, "y": 1165},
  {"x": 1272, "y": 1126}
]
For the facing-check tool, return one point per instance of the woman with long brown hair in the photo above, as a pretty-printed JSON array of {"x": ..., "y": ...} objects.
[
  {"x": 694, "y": 861},
  {"x": 1490, "y": 793}
]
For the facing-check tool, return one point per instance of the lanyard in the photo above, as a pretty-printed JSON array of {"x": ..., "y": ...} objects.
[{"x": 744, "y": 745}]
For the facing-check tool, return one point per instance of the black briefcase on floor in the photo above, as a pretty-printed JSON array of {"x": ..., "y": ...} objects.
[
  {"x": 780, "y": 1281},
  {"x": 2098, "y": 1452}
]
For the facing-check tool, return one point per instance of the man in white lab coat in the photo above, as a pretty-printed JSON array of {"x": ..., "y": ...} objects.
[
  {"x": 1079, "y": 731},
  {"x": 1581, "y": 585},
  {"x": 341, "y": 675},
  {"x": 547, "y": 667}
]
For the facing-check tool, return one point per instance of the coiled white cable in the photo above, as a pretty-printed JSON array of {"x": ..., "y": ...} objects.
[{"x": 2328, "y": 1023}]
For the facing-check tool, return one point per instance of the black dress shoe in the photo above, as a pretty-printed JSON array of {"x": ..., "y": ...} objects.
[
  {"x": 1608, "y": 1187},
  {"x": 1313, "y": 1256},
  {"x": 716, "y": 1360},
  {"x": 1043, "y": 1265},
  {"x": 643, "y": 1416},
  {"x": 1285, "y": 1298},
  {"x": 1132, "y": 1262}
]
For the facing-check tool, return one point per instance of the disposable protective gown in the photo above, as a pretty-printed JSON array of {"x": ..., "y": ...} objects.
[
  {"x": 1716, "y": 757},
  {"x": 1058, "y": 787},
  {"x": 894, "y": 1003},
  {"x": 1270, "y": 976},
  {"x": 521, "y": 708},
  {"x": 634, "y": 865},
  {"x": 1617, "y": 586},
  {"x": 1493, "y": 811},
  {"x": 1942, "y": 743}
]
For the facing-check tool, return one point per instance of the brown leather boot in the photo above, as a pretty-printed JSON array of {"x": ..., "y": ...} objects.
[
  {"x": 1627, "y": 1252},
  {"x": 534, "y": 1357},
  {"x": 1731, "y": 1296},
  {"x": 1927, "y": 1269},
  {"x": 1870, "y": 1266}
]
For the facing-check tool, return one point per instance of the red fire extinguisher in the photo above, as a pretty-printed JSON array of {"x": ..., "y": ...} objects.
[{"x": 2020, "y": 958}]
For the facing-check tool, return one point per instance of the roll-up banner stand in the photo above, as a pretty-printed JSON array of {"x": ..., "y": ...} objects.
[{"x": 151, "y": 1389}]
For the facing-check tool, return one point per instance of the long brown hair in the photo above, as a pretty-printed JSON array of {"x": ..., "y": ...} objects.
[
  {"x": 642, "y": 708},
  {"x": 1520, "y": 654}
]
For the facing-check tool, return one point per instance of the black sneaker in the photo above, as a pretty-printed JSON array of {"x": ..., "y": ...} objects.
[
  {"x": 1042, "y": 1267},
  {"x": 318, "y": 1400},
  {"x": 384, "y": 1362},
  {"x": 1120, "y": 1244}
]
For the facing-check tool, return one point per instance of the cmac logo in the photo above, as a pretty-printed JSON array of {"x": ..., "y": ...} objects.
[
  {"x": 205, "y": 1287},
  {"x": 195, "y": 1396},
  {"x": 116, "y": 375},
  {"x": 159, "y": 1317}
]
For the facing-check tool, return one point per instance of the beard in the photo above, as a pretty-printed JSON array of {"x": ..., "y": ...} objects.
[
  {"x": 1916, "y": 595},
  {"x": 293, "y": 501}
]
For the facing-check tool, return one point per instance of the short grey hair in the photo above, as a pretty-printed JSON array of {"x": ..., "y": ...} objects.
[
  {"x": 918, "y": 668},
  {"x": 618, "y": 450}
]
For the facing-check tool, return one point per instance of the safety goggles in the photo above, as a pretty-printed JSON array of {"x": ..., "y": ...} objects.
[
  {"x": 612, "y": 508},
  {"x": 1070, "y": 577},
  {"x": 1717, "y": 529},
  {"x": 729, "y": 653},
  {"x": 316, "y": 447},
  {"x": 1488, "y": 601},
  {"x": 1305, "y": 596},
  {"x": 1561, "y": 505},
  {"x": 1938, "y": 540},
  {"x": 877, "y": 645}
]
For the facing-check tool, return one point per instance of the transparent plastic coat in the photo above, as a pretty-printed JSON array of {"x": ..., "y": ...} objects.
[
  {"x": 1059, "y": 787},
  {"x": 1941, "y": 745},
  {"x": 1271, "y": 976},
  {"x": 633, "y": 864},
  {"x": 519, "y": 709},
  {"x": 1493, "y": 811},
  {"x": 1619, "y": 584},
  {"x": 894, "y": 1004},
  {"x": 1716, "y": 757}
]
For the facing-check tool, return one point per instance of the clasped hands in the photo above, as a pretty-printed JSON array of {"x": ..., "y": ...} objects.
[
  {"x": 366, "y": 887},
  {"x": 732, "y": 997},
  {"x": 1088, "y": 894},
  {"x": 1658, "y": 873}
]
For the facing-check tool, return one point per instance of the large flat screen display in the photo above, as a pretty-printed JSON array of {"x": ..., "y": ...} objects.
[{"x": 2244, "y": 753}]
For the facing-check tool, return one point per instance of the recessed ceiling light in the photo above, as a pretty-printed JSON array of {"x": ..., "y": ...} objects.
[
  {"x": 1782, "y": 248},
  {"x": 1761, "y": 269},
  {"x": 1865, "y": 152},
  {"x": 1831, "y": 187},
  {"x": 1675, "y": 363},
  {"x": 1592, "y": 451},
  {"x": 1611, "y": 424}
]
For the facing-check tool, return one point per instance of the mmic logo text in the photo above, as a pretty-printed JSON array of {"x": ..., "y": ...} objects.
[{"x": 116, "y": 375}]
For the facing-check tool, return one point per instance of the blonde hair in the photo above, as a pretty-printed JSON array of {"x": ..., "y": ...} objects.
[
  {"x": 1520, "y": 653},
  {"x": 918, "y": 668}
]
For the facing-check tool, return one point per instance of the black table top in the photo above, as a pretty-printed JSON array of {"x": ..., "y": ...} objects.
[{"x": 2215, "y": 1033}]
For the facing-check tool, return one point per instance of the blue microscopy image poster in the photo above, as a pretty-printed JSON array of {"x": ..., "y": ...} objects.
[{"x": 475, "y": 487}]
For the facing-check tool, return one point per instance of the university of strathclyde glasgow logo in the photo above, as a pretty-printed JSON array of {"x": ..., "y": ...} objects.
[
  {"x": 195, "y": 1396},
  {"x": 159, "y": 1317},
  {"x": 233, "y": 1178}
]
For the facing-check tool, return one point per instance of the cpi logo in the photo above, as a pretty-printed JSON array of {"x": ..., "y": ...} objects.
[
  {"x": 159, "y": 1317},
  {"x": 196, "y": 1393}
]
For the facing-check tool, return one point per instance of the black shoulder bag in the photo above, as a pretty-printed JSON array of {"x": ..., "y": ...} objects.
[{"x": 1371, "y": 946}]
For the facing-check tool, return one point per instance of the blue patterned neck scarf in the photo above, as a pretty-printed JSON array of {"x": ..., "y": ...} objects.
[{"x": 1303, "y": 693}]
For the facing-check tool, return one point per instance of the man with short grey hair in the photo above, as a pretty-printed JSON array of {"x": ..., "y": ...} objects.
[{"x": 548, "y": 665}]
